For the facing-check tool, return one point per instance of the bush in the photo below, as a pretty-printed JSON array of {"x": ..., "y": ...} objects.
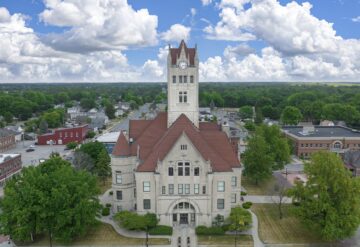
[
  {"x": 243, "y": 193},
  {"x": 161, "y": 230},
  {"x": 111, "y": 192},
  {"x": 225, "y": 227},
  {"x": 108, "y": 205},
  {"x": 215, "y": 230},
  {"x": 105, "y": 212},
  {"x": 90, "y": 134},
  {"x": 247, "y": 205},
  {"x": 71, "y": 145}
]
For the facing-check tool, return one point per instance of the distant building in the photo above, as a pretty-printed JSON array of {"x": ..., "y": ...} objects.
[
  {"x": 64, "y": 135},
  {"x": 309, "y": 139},
  {"x": 10, "y": 164},
  {"x": 109, "y": 140},
  {"x": 7, "y": 139},
  {"x": 17, "y": 130},
  {"x": 327, "y": 123}
]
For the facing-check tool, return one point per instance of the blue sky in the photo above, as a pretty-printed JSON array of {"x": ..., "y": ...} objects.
[{"x": 247, "y": 52}]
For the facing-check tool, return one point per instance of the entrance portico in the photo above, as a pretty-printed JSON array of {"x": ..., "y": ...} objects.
[{"x": 184, "y": 213}]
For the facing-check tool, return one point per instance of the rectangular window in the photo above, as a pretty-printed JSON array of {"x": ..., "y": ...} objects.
[
  {"x": 119, "y": 195},
  {"x": 183, "y": 147},
  {"x": 174, "y": 217},
  {"x": 233, "y": 181},
  {"x": 220, "y": 203},
  {"x": 71, "y": 134},
  {"x": 147, "y": 204},
  {"x": 204, "y": 190},
  {"x": 196, "y": 171},
  {"x": 163, "y": 190},
  {"x": 174, "y": 79},
  {"x": 118, "y": 177},
  {"x": 187, "y": 188},
  {"x": 221, "y": 186},
  {"x": 185, "y": 97},
  {"x": 191, "y": 79},
  {"x": 171, "y": 189},
  {"x": 180, "y": 78},
  {"x": 180, "y": 97},
  {"x": 135, "y": 192},
  {"x": 65, "y": 134},
  {"x": 185, "y": 78},
  {"x": 171, "y": 171},
  {"x": 146, "y": 186},
  {"x": 187, "y": 169},
  {"x": 196, "y": 188},
  {"x": 119, "y": 208},
  {"x": 233, "y": 198},
  {"x": 180, "y": 169},
  {"x": 180, "y": 189},
  {"x": 60, "y": 134}
]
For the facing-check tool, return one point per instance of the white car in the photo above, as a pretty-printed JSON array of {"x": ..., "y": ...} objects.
[{"x": 32, "y": 146}]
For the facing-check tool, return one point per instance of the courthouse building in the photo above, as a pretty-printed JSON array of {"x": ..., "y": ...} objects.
[{"x": 183, "y": 170}]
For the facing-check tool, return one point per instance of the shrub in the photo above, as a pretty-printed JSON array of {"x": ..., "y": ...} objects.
[
  {"x": 108, "y": 205},
  {"x": 161, "y": 230},
  {"x": 215, "y": 230},
  {"x": 111, "y": 192},
  {"x": 225, "y": 227},
  {"x": 90, "y": 134},
  {"x": 71, "y": 145},
  {"x": 247, "y": 205},
  {"x": 243, "y": 193},
  {"x": 105, "y": 211}
]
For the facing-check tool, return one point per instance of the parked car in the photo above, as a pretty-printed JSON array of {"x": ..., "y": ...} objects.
[{"x": 30, "y": 150}]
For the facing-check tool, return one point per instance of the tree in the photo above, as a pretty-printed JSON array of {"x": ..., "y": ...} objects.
[
  {"x": 259, "y": 118},
  {"x": 51, "y": 199},
  {"x": 240, "y": 220},
  {"x": 257, "y": 161},
  {"x": 270, "y": 112},
  {"x": 87, "y": 103},
  {"x": 43, "y": 126},
  {"x": 278, "y": 195},
  {"x": 250, "y": 126},
  {"x": 93, "y": 149},
  {"x": 83, "y": 161},
  {"x": 8, "y": 117},
  {"x": 246, "y": 112},
  {"x": 110, "y": 111},
  {"x": 90, "y": 134},
  {"x": 291, "y": 115},
  {"x": 102, "y": 166},
  {"x": 329, "y": 201}
]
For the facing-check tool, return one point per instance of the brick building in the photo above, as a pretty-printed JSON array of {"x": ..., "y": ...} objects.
[
  {"x": 64, "y": 135},
  {"x": 10, "y": 164},
  {"x": 7, "y": 139},
  {"x": 309, "y": 139}
]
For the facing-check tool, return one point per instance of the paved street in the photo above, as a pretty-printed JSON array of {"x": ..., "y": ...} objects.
[{"x": 124, "y": 124}]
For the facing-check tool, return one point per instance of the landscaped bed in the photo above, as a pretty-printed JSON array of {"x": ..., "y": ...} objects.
[
  {"x": 289, "y": 229},
  {"x": 104, "y": 235},
  {"x": 226, "y": 240}
]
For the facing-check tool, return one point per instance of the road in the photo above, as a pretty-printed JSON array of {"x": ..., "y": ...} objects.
[{"x": 124, "y": 123}]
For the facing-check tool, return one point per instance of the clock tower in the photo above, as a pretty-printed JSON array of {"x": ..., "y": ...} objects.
[{"x": 183, "y": 83}]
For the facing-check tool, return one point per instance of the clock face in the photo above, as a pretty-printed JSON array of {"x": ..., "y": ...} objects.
[{"x": 182, "y": 65}]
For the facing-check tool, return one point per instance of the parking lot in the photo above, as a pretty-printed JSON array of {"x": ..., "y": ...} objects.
[{"x": 39, "y": 153}]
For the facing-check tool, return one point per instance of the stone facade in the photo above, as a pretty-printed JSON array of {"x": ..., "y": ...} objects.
[{"x": 183, "y": 171}]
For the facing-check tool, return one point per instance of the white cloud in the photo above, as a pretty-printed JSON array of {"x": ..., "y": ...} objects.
[
  {"x": 176, "y": 33},
  {"x": 212, "y": 69},
  {"x": 193, "y": 11},
  {"x": 238, "y": 51},
  {"x": 206, "y": 2},
  {"x": 4, "y": 15},
  {"x": 98, "y": 25},
  {"x": 356, "y": 19}
]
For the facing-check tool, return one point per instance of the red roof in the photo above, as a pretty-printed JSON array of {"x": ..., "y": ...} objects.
[
  {"x": 189, "y": 52},
  {"x": 156, "y": 140},
  {"x": 122, "y": 147}
]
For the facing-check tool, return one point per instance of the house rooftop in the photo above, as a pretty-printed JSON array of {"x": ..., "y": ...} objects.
[
  {"x": 321, "y": 131},
  {"x": 5, "y": 157}
]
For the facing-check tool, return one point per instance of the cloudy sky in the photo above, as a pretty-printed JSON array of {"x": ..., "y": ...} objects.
[{"x": 125, "y": 41}]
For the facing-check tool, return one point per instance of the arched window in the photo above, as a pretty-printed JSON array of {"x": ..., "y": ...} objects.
[{"x": 337, "y": 145}]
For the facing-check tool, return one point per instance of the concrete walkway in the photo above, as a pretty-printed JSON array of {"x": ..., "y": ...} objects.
[
  {"x": 266, "y": 199},
  {"x": 255, "y": 231}
]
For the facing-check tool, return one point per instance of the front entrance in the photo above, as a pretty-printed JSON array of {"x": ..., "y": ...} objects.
[
  {"x": 184, "y": 219},
  {"x": 184, "y": 214}
]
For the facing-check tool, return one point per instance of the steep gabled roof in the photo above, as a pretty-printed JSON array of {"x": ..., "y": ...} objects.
[
  {"x": 189, "y": 52},
  {"x": 183, "y": 124},
  {"x": 122, "y": 147}
]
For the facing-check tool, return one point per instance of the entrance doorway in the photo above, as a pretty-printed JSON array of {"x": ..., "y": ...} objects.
[
  {"x": 184, "y": 219},
  {"x": 184, "y": 214}
]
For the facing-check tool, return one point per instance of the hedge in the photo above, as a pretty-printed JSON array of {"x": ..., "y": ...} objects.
[
  {"x": 243, "y": 193},
  {"x": 214, "y": 230},
  {"x": 105, "y": 212},
  {"x": 247, "y": 205},
  {"x": 161, "y": 230}
]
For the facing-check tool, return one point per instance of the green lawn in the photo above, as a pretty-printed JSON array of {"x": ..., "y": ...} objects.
[
  {"x": 262, "y": 188},
  {"x": 104, "y": 235},
  {"x": 242, "y": 240},
  {"x": 272, "y": 230}
]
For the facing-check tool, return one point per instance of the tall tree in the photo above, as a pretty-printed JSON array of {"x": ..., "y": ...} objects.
[
  {"x": 329, "y": 201},
  {"x": 51, "y": 199},
  {"x": 257, "y": 161},
  {"x": 291, "y": 115},
  {"x": 102, "y": 166},
  {"x": 110, "y": 111},
  {"x": 246, "y": 112}
]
